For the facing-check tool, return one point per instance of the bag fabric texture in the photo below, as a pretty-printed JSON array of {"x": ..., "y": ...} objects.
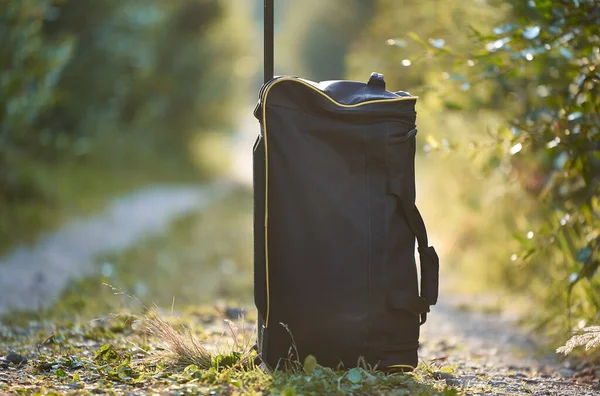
[{"x": 335, "y": 225}]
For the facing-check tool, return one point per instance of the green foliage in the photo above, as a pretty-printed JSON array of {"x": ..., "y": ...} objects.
[
  {"x": 533, "y": 81},
  {"x": 226, "y": 360},
  {"x": 310, "y": 363},
  {"x": 113, "y": 89},
  {"x": 546, "y": 59},
  {"x": 31, "y": 67},
  {"x": 162, "y": 68},
  {"x": 357, "y": 380}
]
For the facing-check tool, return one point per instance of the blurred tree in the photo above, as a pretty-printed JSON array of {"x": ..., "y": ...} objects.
[
  {"x": 114, "y": 85},
  {"x": 30, "y": 69},
  {"x": 162, "y": 69},
  {"x": 313, "y": 36}
]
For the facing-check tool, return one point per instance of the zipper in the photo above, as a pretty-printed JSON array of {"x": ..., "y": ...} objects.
[{"x": 265, "y": 87}]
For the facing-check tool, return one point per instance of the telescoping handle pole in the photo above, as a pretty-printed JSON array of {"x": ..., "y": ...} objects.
[{"x": 268, "y": 39}]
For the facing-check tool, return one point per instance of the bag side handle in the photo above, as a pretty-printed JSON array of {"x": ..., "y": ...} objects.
[{"x": 430, "y": 264}]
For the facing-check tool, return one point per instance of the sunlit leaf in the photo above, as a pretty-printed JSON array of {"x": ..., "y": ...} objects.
[
  {"x": 573, "y": 278},
  {"x": 554, "y": 29},
  {"x": 431, "y": 141},
  {"x": 565, "y": 219},
  {"x": 584, "y": 254},
  {"x": 519, "y": 238},
  {"x": 516, "y": 148},
  {"x": 553, "y": 143},
  {"x": 310, "y": 363},
  {"x": 437, "y": 43},
  {"x": 504, "y": 29},
  {"x": 456, "y": 77},
  {"x": 355, "y": 375},
  {"x": 236, "y": 382},
  {"x": 561, "y": 160},
  {"x": 417, "y": 38},
  {"x": 103, "y": 351},
  {"x": 498, "y": 44},
  {"x": 191, "y": 370},
  {"x": 528, "y": 253},
  {"x": 531, "y": 32},
  {"x": 227, "y": 360},
  {"x": 289, "y": 391},
  {"x": 566, "y": 53},
  {"x": 397, "y": 42}
]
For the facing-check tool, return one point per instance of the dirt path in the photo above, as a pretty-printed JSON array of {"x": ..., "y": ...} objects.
[
  {"x": 491, "y": 355},
  {"x": 31, "y": 277}
]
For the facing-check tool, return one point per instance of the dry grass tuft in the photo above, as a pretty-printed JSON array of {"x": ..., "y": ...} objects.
[
  {"x": 589, "y": 336},
  {"x": 180, "y": 348}
]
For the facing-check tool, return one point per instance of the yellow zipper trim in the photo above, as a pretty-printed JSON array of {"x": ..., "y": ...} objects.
[
  {"x": 264, "y": 119},
  {"x": 400, "y": 366}
]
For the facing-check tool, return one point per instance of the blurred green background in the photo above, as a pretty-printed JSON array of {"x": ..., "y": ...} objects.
[{"x": 103, "y": 97}]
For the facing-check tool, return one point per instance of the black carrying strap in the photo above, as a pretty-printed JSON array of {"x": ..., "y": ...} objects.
[
  {"x": 430, "y": 264},
  {"x": 269, "y": 38}
]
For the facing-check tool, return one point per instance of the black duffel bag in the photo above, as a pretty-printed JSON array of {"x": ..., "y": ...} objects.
[{"x": 335, "y": 223}]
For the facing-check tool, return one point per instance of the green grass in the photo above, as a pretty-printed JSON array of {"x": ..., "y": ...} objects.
[
  {"x": 139, "y": 353},
  {"x": 160, "y": 320}
]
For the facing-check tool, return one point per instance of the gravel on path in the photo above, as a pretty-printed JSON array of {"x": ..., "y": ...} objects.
[{"x": 489, "y": 354}]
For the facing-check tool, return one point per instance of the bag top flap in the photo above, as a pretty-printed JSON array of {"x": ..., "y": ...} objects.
[{"x": 336, "y": 94}]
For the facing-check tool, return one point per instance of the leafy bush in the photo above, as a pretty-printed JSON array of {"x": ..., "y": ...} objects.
[
  {"x": 31, "y": 67},
  {"x": 528, "y": 91},
  {"x": 548, "y": 60}
]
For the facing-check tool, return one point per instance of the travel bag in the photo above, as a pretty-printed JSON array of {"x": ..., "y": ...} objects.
[{"x": 335, "y": 223}]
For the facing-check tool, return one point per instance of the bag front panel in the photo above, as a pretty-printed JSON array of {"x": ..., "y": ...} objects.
[
  {"x": 318, "y": 234},
  {"x": 337, "y": 242}
]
